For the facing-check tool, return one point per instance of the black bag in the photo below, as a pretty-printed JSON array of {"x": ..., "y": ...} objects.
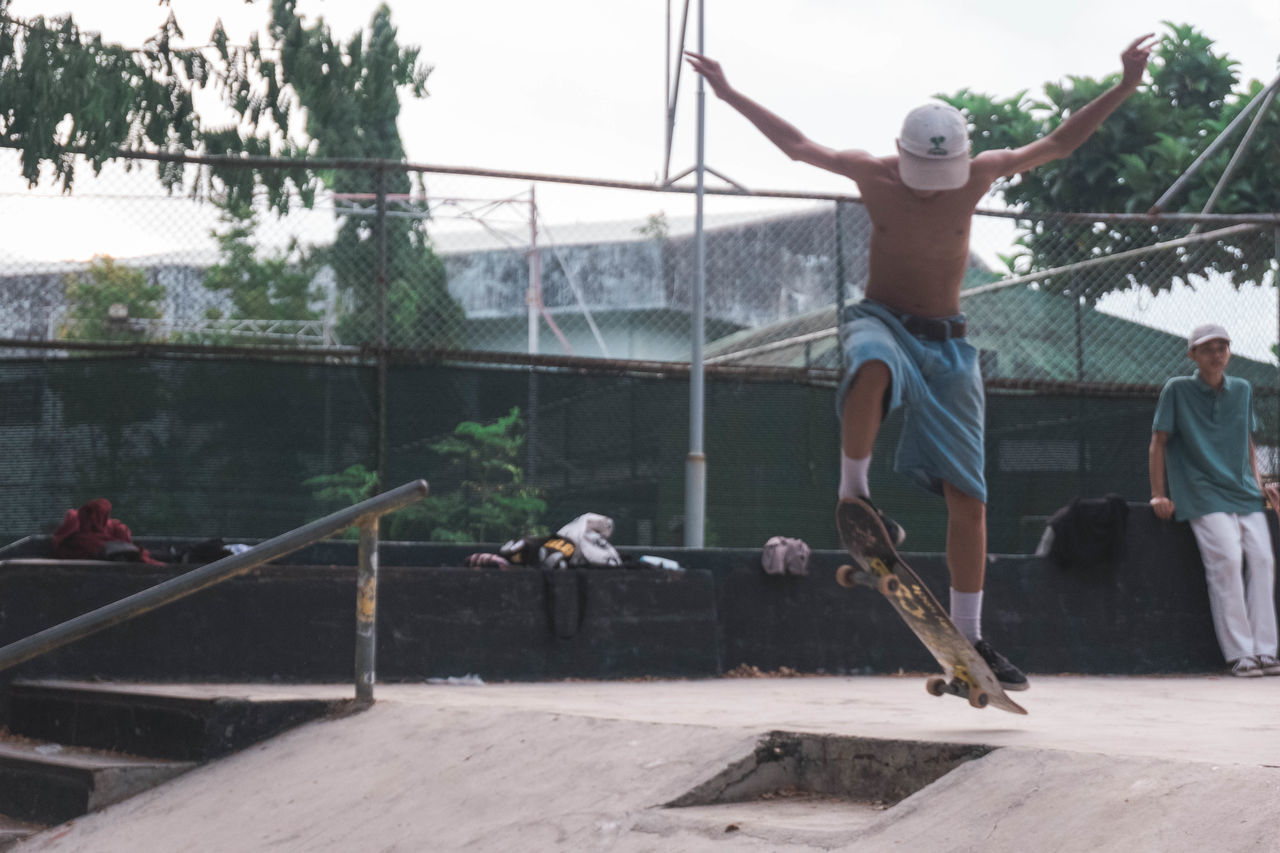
[{"x": 1089, "y": 533}]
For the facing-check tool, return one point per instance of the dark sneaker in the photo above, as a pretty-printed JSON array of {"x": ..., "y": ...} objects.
[
  {"x": 897, "y": 535},
  {"x": 1009, "y": 676}
]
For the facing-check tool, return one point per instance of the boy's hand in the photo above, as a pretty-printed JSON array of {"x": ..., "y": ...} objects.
[
  {"x": 710, "y": 71},
  {"x": 1162, "y": 507},
  {"x": 1135, "y": 58}
]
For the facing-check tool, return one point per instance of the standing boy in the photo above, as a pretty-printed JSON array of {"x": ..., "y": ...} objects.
[
  {"x": 905, "y": 342},
  {"x": 1204, "y": 469}
]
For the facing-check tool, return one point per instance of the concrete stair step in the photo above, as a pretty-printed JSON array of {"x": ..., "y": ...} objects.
[
  {"x": 142, "y": 720},
  {"x": 12, "y": 831},
  {"x": 51, "y": 783}
]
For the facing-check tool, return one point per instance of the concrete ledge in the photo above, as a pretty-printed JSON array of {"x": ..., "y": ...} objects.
[{"x": 295, "y": 622}]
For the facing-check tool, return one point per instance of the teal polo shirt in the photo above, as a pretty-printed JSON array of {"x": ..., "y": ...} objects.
[{"x": 1207, "y": 456}]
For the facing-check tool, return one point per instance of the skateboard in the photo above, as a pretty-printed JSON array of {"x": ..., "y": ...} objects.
[{"x": 965, "y": 673}]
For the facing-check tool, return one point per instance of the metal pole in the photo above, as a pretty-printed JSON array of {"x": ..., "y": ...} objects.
[
  {"x": 1238, "y": 155},
  {"x": 206, "y": 576},
  {"x": 381, "y": 224},
  {"x": 695, "y": 480},
  {"x": 671, "y": 95},
  {"x": 666, "y": 98},
  {"x": 1079, "y": 333},
  {"x": 534, "y": 299},
  {"x": 839, "y": 284},
  {"x": 1213, "y": 148},
  {"x": 367, "y": 609},
  {"x": 1080, "y": 266}
]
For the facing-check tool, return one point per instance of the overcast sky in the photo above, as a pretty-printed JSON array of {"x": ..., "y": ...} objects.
[{"x": 576, "y": 87}]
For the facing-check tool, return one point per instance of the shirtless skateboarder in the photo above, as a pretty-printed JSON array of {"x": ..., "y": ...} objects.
[{"x": 904, "y": 343}]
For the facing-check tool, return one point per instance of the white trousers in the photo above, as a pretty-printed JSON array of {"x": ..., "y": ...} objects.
[{"x": 1239, "y": 567}]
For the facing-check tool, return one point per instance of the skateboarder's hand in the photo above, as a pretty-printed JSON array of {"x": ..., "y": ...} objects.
[
  {"x": 1162, "y": 507},
  {"x": 1135, "y": 58},
  {"x": 710, "y": 71}
]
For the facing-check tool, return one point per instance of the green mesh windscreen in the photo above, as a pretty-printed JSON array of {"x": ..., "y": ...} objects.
[{"x": 203, "y": 447}]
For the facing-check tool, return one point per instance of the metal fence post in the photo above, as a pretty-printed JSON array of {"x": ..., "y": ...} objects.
[
  {"x": 380, "y": 177},
  {"x": 367, "y": 609},
  {"x": 839, "y": 285}
]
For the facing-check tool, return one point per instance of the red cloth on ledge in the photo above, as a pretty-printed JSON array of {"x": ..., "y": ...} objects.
[{"x": 84, "y": 531}]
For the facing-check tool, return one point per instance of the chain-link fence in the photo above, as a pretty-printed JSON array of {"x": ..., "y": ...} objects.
[
  {"x": 577, "y": 295},
  {"x": 497, "y": 264}
]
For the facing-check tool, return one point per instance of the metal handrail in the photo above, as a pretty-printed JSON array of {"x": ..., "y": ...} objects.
[{"x": 365, "y": 514}]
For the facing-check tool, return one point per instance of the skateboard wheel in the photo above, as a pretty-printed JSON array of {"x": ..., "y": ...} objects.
[
  {"x": 936, "y": 686},
  {"x": 889, "y": 585},
  {"x": 845, "y": 576},
  {"x": 979, "y": 698}
]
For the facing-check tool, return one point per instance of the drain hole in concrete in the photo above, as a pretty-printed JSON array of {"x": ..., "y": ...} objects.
[{"x": 867, "y": 771}]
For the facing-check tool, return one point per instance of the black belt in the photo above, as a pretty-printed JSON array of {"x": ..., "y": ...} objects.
[{"x": 929, "y": 328}]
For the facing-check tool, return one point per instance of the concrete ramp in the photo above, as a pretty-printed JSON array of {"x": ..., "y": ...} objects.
[{"x": 590, "y": 766}]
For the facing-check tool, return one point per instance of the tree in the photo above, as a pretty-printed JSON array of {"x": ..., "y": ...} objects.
[
  {"x": 348, "y": 488},
  {"x": 105, "y": 300},
  {"x": 492, "y": 500},
  {"x": 68, "y": 93},
  {"x": 349, "y": 94},
  {"x": 277, "y": 287},
  {"x": 1137, "y": 154}
]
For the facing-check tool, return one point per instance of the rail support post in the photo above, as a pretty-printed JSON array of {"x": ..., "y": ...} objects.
[{"x": 367, "y": 609}]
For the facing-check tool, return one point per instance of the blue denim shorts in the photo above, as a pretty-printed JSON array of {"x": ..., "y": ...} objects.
[{"x": 940, "y": 387}]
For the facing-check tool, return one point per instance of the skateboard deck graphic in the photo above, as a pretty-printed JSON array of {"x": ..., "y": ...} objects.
[{"x": 879, "y": 566}]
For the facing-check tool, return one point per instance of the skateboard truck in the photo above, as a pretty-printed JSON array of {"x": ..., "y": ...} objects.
[{"x": 958, "y": 686}]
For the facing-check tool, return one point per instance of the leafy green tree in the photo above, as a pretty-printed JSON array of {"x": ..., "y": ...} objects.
[
  {"x": 106, "y": 298},
  {"x": 656, "y": 227},
  {"x": 492, "y": 500},
  {"x": 347, "y": 488},
  {"x": 68, "y": 93},
  {"x": 275, "y": 287},
  {"x": 349, "y": 92},
  {"x": 1137, "y": 154}
]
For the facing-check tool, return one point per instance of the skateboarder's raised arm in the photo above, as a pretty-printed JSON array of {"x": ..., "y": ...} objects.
[
  {"x": 1078, "y": 126},
  {"x": 852, "y": 164}
]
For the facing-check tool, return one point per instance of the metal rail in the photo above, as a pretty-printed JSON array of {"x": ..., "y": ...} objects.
[
  {"x": 365, "y": 514},
  {"x": 333, "y": 163}
]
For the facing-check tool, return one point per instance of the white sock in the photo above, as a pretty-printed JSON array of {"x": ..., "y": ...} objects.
[
  {"x": 966, "y": 612},
  {"x": 853, "y": 477}
]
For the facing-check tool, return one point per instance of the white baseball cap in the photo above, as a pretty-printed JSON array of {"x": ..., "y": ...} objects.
[
  {"x": 933, "y": 149},
  {"x": 1205, "y": 333}
]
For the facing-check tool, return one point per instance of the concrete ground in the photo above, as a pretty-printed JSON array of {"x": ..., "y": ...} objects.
[{"x": 1100, "y": 763}]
